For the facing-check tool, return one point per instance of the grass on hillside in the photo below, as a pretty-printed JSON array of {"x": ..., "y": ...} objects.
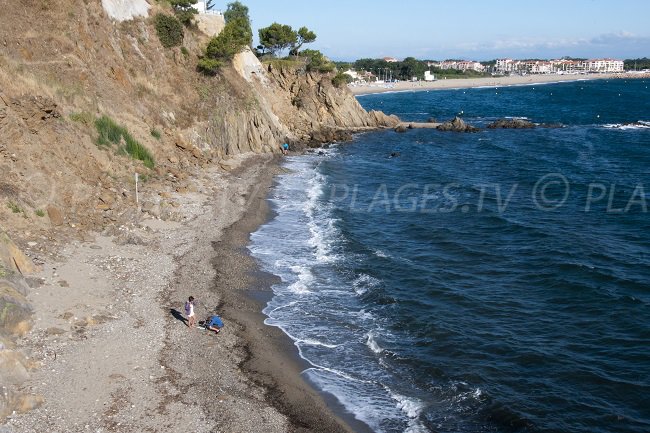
[
  {"x": 284, "y": 63},
  {"x": 111, "y": 133}
]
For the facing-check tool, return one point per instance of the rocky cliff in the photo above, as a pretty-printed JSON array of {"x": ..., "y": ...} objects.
[{"x": 81, "y": 63}]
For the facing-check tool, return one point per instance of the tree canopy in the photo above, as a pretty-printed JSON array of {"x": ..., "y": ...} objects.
[
  {"x": 303, "y": 36},
  {"x": 236, "y": 10},
  {"x": 277, "y": 37},
  {"x": 184, "y": 10}
]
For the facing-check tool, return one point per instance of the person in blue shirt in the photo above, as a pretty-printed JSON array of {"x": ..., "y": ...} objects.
[
  {"x": 214, "y": 323},
  {"x": 285, "y": 148}
]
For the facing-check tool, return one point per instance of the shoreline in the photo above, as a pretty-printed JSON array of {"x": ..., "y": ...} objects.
[
  {"x": 111, "y": 352},
  {"x": 467, "y": 83}
]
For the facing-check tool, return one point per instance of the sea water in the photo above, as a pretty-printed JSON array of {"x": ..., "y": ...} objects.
[{"x": 489, "y": 282}]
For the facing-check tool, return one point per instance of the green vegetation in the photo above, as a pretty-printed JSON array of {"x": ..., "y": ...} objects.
[
  {"x": 316, "y": 61},
  {"x": 169, "y": 29},
  {"x": 234, "y": 37},
  {"x": 83, "y": 117},
  {"x": 278, "y": 37},
  {"x": 341, "y": 80},
  {"x": 185, "y": 52},
  {"x": 408, "y": 68},
  {"x": 209, "y": 66},
  {"x": 289, "y": 62},
  {"x": 3, "y": 272},
  {"x": 636, "y": 64},
  {"x": 235, "y": 11},
  {"x": 15, "y": 208},
  {"x": 40, "y": 213},
  {"x": 111, "y": 133},
  {"x": 184, "y": 10},
  {"x": 155, "y": 133}
]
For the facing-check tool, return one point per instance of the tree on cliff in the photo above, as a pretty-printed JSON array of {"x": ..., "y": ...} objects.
[
  {"x": 236, "y": 10},
  {"x": 234, "y": 37},
  {"x": 184, "y": 10},
  {"x": 303, "y": 36},
  {"x": 277, "y": 37}
]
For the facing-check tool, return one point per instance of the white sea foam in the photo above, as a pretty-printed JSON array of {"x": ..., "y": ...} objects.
[
  {"x": 372, "y": 343},
  {"x": 412, "y": 407},
  {"x": 641, "y": 124},
  {"x": 305, "y": 279},
  {"x": 312, "y": 342},
  {"x": 380, "y": 253},
  {"x": 363, "y": 283}
]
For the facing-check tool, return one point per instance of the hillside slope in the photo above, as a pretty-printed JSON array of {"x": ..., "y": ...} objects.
[{"x": 66, "y": 63}]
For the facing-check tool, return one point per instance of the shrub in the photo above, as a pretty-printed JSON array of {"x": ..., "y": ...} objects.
[
  {"x": 82, "y": 117},
  {"x": 209, "y": 66},
  {"x": 40, "y": 213},
  {"x": 14, "y": 207},
  {"x": 341, "y": 80},
  {"x": 316, "y": 61},
  {"x": 235, "y": 36},
  {"x": 184, "y": 10},
  {"x": 185, "y": 52},
  {"x": 155, "y": 133},
  {"x": 170, "y": 30}
]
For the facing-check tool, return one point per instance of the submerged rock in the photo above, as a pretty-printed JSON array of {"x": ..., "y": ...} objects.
[{"x": 456, "y": 125}]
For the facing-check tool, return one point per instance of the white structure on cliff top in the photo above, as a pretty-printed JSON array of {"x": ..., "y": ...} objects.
[{"x": 202, "y": 7}]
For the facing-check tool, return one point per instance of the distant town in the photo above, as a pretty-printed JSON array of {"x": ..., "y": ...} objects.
[{"x": 391, "y": 69}]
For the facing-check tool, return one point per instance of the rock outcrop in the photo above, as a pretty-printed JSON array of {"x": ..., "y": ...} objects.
[
  {"x": 511, "y": 124},
  {"x": 456, "y": 125},
  {"x": 14, "y": 321}
]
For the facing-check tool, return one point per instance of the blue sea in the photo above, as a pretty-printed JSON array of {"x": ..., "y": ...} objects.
[{"x": 489, "y": 282}]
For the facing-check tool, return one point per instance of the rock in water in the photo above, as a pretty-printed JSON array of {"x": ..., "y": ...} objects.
[
  {"x": 456, "y": 125},
  {"x": 511, "y": 124}
]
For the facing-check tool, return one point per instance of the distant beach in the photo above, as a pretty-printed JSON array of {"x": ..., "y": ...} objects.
[{"x": 463, "y": 83}]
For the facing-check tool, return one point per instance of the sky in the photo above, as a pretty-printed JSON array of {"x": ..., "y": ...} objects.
[{"x": 469, "y": 29}]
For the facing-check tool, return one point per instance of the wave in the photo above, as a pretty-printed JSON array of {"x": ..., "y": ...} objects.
[
  {"x": 305, "y": 279},
  {"x": 412, "y": 408},
  {"x": 640, "y": 124},
  {"x": 312, "y": 342},
  {"x": 372, "y": 344}
]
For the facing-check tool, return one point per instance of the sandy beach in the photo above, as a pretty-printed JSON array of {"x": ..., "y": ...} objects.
[
  {"x": 463, "y": 83},
  {"x": 109, "y": 336}
]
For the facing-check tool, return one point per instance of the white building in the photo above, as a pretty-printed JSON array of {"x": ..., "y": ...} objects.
[
  {"x": 428, "y": 76},
  {"x": 353, "y": 74},
  {"x": 461, "y": 65},
  {"x": 202, "y": 7},
  {"x": 561, "y": 66},
  {"x": 605, "y": 65}
]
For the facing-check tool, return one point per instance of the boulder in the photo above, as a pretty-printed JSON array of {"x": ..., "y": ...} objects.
[
  {"x": 12, "y": 259},
  {"x": 511, "y": 124},
  {"x": 456, "y": 125},
  {"x": 56, "y": 218},
  {"x": 401, "y": 128}
]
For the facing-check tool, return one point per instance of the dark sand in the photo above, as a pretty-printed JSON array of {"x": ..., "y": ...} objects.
[{"x": 271, "y": 359}]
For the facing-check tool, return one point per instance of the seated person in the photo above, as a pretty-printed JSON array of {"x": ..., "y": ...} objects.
[{"x": 214, "y": 323}]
